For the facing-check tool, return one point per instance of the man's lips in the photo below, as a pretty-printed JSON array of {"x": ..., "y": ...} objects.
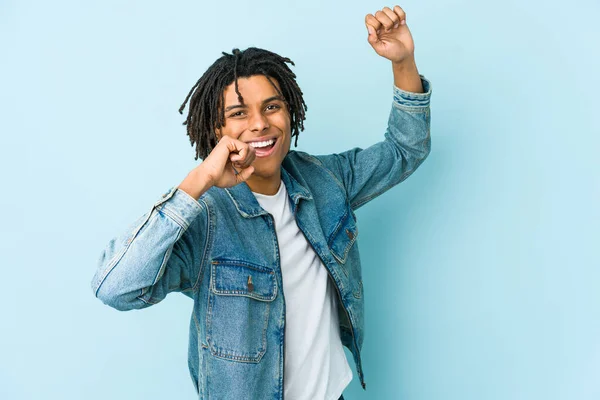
[
  {"x": 261, "y": 139},
  {"x": 265, "y": 151}
]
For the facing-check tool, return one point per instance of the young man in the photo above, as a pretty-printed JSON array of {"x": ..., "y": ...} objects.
[{"x": 262, "y": 237}]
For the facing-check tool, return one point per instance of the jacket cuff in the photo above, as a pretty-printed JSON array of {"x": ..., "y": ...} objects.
[
  {"x": 180, "y": 206},
  {"x": 411, "y": 99}
]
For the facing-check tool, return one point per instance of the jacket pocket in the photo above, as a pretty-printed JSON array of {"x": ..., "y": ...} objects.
[
  {"x": 238, "y": 309},
  {"x": 340, "y": 244},
  {"x": 343, "y": 236}
]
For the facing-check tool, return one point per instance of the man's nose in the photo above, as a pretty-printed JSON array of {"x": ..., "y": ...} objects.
[{"x": 258, "y": 122}]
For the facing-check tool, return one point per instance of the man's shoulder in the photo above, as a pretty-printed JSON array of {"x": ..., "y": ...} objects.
[
  {"x": 302, "y": 157},
  {"x": 310, "y": 167}
]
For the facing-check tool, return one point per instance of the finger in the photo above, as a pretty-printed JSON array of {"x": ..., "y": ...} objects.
[
  {"x": 374, "y": 22},
  {"x": 372, "y": 38},
  {"x": 248, "y": 161},
  {"x": 242, "y": 162},
  {"x": 244, "y": 174},
  {"x": 384, "y": 19},
  {"x": 247, "y": 154},
  {"x": 237, "y": 165},
  {"x": 372, "y": 29},
  {"x": 392, "y": 16},
  {"x": 233, "y": 145},
  {"x": 401, "y": 14}
]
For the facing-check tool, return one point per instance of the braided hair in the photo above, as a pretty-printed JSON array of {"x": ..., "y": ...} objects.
[{"x": 206, "y": 110}]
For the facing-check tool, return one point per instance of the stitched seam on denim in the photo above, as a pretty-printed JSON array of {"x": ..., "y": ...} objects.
[
  {"x": 237, "y": 206},
  {"x": 407, "y": 96},
  {"x": 251, "y": 360},
  {"x": 266, "y": 326},
  {"x": 358, "y": 293},
  {"x": 242, "y": 263},
  {"x": 209, "y": 307},
  {"x": 117, "y": 257},
  {"x": 173, "y": 215},
  {"x": 238, "y": 293},
  {"x": 166, "y": 196},
  {"x": 412, "y": 109},
  {"x": 235, "y": 203},
  {"x": 349, "y": 245},
  {"x": 195, "y": 202},
  {"x": 196, "y": 323},
  {"x": 404, "y": 95},
  {"x": 207, "y": 244},
  {"x": 416, "y": 103},
  {"x": 343, "y": 267},
  {"x": 417, "y": 99}
]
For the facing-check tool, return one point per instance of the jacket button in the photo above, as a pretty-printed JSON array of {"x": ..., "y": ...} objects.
[{"x": 350, "y": 234}]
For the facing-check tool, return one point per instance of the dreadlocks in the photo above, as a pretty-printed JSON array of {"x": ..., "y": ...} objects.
[{"x": 206, "y": 109}]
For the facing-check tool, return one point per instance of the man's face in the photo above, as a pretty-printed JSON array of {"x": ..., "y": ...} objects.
[{"x": 263, "y": 122}]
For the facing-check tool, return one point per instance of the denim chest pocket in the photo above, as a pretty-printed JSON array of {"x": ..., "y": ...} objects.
[
  {"x": 340, "y": 243},
  {"x": 238, "y": 309},
  {"x": 343, "y": 236}
]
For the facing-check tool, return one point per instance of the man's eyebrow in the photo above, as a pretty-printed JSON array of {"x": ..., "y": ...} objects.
[{"x": 263, "y": 102}]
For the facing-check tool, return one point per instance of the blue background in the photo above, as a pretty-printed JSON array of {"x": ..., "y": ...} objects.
[{"x": 481, "y": 271}]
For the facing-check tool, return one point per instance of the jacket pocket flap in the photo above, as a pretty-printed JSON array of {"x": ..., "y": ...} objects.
[
  {"x": 234, "y": 278},
  {"x": 343, "y": 237}
]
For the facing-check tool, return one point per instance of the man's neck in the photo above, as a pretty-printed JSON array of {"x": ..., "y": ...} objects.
[{"x": 268, "y": 186}]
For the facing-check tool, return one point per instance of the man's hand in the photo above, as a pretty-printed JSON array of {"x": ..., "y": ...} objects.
[
  {"x": 227, "y": 165},
  {"x": 389, "y": 35},
  {"x": 390, "y": 38}
]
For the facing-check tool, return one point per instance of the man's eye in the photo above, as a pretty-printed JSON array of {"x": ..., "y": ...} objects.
[
  {"x": 236, "y": 114},
  {"x": 273, "y": 105}
]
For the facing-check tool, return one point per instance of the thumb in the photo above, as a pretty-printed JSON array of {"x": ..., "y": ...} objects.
[
  {"x": 372, "y": 38},
  {"x": 244, "y": 174}
]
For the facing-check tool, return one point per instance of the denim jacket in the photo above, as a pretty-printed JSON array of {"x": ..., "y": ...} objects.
[{"x": 221, "y": 251}]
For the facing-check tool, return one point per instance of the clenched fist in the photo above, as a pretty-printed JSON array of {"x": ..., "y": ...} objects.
[
  {"x": 227, "y": 165},
  {"x": 389, "y": 35}
]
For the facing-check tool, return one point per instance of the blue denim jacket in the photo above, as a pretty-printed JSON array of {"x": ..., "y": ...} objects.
[{"x": 221, "y": 251}]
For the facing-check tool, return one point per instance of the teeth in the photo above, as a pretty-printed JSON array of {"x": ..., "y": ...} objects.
[{"x": 262, "y": 144}]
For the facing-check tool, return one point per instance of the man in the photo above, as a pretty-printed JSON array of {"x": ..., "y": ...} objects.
[{"x": 262, "y": 237}]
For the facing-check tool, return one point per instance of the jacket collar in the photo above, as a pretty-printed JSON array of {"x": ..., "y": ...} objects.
[{"x": 248, "y": 206}]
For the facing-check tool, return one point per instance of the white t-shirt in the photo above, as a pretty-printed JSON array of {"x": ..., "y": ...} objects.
[{"x": 315, "y": 364}]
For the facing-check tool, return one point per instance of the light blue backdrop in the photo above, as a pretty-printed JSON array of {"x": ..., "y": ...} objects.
[{"x": 481, "y": 271}]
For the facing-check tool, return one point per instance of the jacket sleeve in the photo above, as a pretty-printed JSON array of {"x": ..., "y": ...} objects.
[
  {"x": 365, "y": 174},
  {"x": 160, "y": 253}
]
